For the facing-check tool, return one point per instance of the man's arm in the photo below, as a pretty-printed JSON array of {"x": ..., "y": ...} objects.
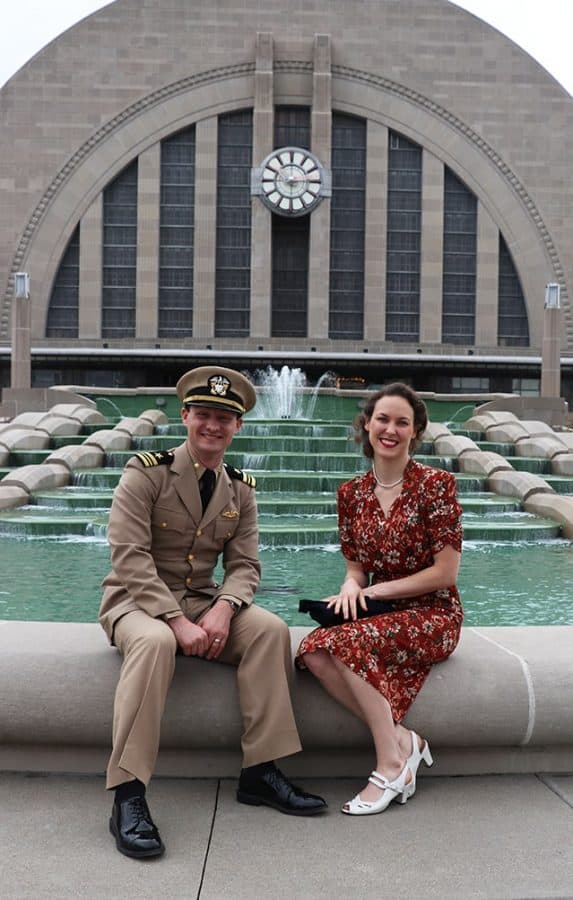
[{"x": 130, "y": 535}]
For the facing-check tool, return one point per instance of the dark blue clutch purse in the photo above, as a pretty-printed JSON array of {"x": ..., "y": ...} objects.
[{"x": 325, "y": 615}]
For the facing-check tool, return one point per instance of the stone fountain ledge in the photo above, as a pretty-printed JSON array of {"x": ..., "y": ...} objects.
[{"x": 498, "y": 705}]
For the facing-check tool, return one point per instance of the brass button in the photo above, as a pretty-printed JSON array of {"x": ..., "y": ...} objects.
[
  {"x": 198, "y": 532},
  {"x": 196, "y": 465},
  {"x": 164, "y": 524},
  {"x": 190, "y": 557},
  {"x": 189, "y": 581}
]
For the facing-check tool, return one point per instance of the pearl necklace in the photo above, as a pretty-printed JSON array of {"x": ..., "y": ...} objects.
[{"x": 381, "y": 484}]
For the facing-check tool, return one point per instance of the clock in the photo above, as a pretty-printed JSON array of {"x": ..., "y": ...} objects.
[{"x": 291, "y": 182}]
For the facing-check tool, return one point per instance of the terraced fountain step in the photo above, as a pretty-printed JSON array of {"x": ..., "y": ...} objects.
[
  {"x": 511, "y": 529},
  {"x": 28, "y": 457},
  {"x": 535, "y": 465},
  {"x": 245, "y": 443},
  {"x": 264, "y": 427},
  {"x": 106, "y": 479},
  {"x": 562, "y": 484},
  {"x": 73, "y": 498},
  {"x": 275, "y": 531}
]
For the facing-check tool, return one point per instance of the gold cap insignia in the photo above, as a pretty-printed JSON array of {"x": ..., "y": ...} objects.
[{"x": 219, "y": 385}]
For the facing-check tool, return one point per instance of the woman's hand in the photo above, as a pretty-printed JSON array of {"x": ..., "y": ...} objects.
[{"x": 347, "y": 601}]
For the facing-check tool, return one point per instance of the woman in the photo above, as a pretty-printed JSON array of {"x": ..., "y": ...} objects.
[{"x": 400, "y": 532}]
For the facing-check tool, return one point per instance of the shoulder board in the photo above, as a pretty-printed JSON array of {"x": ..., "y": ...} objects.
[
  {"x": 240, "y": 476},
  {"x": 151, "y": 458}
]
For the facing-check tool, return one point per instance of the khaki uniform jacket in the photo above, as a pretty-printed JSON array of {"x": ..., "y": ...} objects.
[{"x": 163, "y": 547}]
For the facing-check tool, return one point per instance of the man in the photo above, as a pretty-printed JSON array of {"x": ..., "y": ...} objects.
[{"x": 173, "y": 514}]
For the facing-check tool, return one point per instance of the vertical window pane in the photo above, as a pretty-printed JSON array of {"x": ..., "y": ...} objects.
[
  {"x": 233, "y": 258},
  {"x": 119, "y": 255},
  {"x": 63, "y": 311},
  {"x": 290, "y": 238},
  {"x": 404, "y": 228},
  {"x": 176, "y": 216},
  {"x": 347, "y": 212},
  {"x": 459, "y": 266},
  {"x": 512, "y": 324}
]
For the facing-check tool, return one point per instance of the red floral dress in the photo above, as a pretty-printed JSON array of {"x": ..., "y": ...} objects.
[{"x": 394, "y": 651}]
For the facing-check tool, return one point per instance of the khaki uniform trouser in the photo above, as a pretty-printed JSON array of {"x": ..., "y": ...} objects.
[{"x": 258, "y": 644}]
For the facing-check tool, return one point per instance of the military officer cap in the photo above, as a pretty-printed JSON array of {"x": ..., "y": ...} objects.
[{"x": 218, "y": 388}]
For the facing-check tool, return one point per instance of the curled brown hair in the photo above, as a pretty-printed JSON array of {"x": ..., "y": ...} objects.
[{"x": 397, "y": 389}]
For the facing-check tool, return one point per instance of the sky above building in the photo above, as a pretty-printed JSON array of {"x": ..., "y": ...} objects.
[{"x": 543, "y": 29}]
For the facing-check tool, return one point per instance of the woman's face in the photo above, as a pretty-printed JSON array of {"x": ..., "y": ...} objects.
[{"x": 391, "y": 429}]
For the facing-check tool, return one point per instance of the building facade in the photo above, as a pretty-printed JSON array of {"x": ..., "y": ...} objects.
[{"x": 134, "y": 194}]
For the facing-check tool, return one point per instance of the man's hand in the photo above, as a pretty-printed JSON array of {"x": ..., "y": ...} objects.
[
  {"x": 191, "y": 638},
  {"x": 215, "y": 622}
]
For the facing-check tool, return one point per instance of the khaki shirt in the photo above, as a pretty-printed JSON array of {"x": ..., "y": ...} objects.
[{"x": 163, "y": 547}]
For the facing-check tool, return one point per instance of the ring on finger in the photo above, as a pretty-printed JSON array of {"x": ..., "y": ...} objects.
[{"x": 216, "y": 640}]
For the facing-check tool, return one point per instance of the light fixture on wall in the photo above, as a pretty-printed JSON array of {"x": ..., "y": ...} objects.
[
  {"x": 552, "y": 295},
  {"x": 22, "y": 286}
]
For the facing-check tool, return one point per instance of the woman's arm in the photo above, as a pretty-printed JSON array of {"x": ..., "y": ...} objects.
[{"x": 441, "y": 574}]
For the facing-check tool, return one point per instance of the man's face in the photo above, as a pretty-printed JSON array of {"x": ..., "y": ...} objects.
[{"x": 209, "y": 431}]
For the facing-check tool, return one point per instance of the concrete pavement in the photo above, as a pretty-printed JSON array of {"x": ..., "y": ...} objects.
[{"x": 504, "y": 837}]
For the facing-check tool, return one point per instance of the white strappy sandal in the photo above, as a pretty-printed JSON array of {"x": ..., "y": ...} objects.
[
  {"x": 392, "y": 790},
  {"x": 416, "y": 757}
]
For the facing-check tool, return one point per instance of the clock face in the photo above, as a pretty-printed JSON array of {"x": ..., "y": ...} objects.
[{"x": 291, "y": 181}]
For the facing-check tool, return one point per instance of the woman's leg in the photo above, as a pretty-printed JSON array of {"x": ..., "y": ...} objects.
[
  {"x": 368, "y": 705},
  {"x": 321, "y": 664}
]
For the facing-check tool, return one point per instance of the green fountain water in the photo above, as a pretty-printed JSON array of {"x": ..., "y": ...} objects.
[{"x": 515, "y": 569}]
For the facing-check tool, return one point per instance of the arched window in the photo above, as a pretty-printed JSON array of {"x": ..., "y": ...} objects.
[
  {"x": 63, "y": 310},
  {"x": 404, "y": 230},
  {"x": 176, "y": 231},
  {"x": 512, "y": 325},
  {"x": 233, "y": 259},
  {"x": 290, "y": 238},
  {"x": 347, "y": 212},
  {"x": 119, "y": 255},
  {"x": 460, "y": 260}
]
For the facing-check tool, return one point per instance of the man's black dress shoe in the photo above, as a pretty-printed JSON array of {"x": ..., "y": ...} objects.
[
  {"x": 134, "y": 830},
  {"x": 271, "y": 788}
]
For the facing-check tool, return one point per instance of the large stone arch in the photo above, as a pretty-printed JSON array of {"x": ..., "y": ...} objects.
[{"x": 212, "y": 92}]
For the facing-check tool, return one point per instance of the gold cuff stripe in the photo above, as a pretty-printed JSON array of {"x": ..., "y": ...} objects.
[{"x": 193, "y": 398}]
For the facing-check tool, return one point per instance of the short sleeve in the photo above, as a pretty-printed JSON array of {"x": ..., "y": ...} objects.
[
  {"x": 443, "y": 512},
  {"x": 345, "y": 522}
]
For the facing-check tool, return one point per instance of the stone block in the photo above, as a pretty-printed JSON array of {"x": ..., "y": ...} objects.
[
  {"x": 562, "y": 464},
  {"x": 535, "y": 427},
  {"x": 478, "y": 423},
  {"x": 454, "y": 445},
  {"x": 86, "y": 415},
  {"x": 518, "y": 484},
  {"x": 76, "y": 456},
  {"x": 483, "y": 462},
  {"x": 108, "y": 439},
  {"x": 11, "y": 496},
  {"x": 135, "y": 426},
  {"x": 544, "y": 446},
  {"x": 58, "y": 425},
  {"x": 23, "y": 439},
  {"x": 435, "y": 430},
  {"x": 155, "y": 416},
  {"x": 506, "y": 433},
  {"x": 553, "y": 506},
  {"x": 37, "y": 478},
  {"x": 498, "y": 416}
]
